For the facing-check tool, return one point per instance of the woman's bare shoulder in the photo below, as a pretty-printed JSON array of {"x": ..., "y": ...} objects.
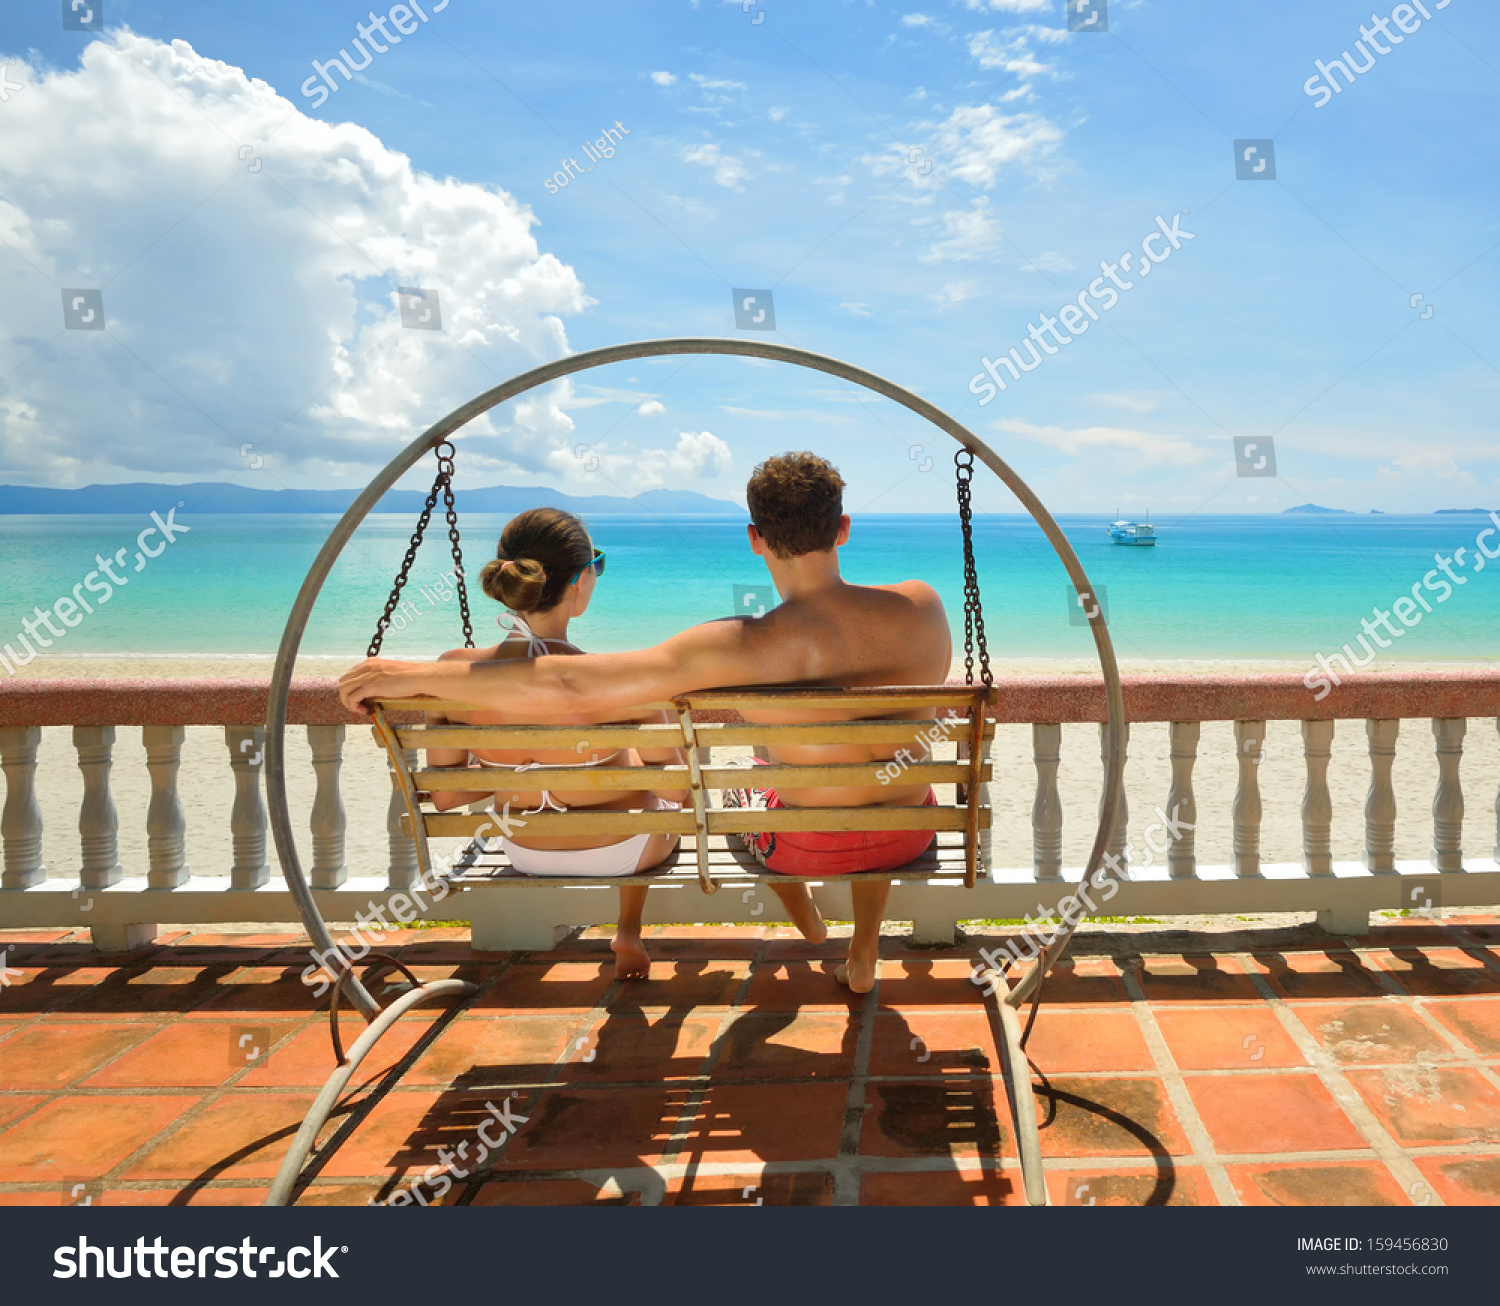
[{"x": 470, "y": 654}]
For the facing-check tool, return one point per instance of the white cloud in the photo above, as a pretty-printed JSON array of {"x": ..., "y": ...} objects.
[
  {"x": 700, "y": 454},
  {"x": 969, "y": 234},
  {"x": 1140, "y": 448},
  {"x": 954, "y": 293},
  {"x": 776, "y": 113},
  {"x": 717, "y": 84},
  {"x": 859, "y": 310},
  {"x": 976, "y": 144},
  {"x": 853, "y": 395},
  {"x": 664, "y": 79},
  {"x": 697, "y": 456},
  {"x": 1012, "y": 51},
  {"x": 1011, "y": 6},
  {"x": 916, "y": 20},
  {"x": 1432, "y": 462},
  {"x": 802, "y": 416},
  {"x": 729, "y": 171},
  {"x": 651, "y": 408},
  {"x": 1133, "y": 403},
  {"x": 691, "y": 207},
  {"x": 251, "y": 306},
  {"x": 1049, "y": 260}
]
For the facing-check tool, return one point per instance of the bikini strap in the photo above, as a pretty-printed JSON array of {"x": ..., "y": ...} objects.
[
  {"x": 515, "y": 624},
  {"x": 548, "y": 803}
]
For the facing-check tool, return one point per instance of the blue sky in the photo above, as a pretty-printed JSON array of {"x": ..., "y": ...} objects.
[{"x": 914, "y": 183}]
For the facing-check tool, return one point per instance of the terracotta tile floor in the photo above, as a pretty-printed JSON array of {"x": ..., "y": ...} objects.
[{"x": 1266, "y": 1067}]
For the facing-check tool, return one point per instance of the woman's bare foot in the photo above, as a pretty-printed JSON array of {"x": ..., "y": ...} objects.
[
  {"x": 802, "y": 911},
  {"x": 860, "y": 975},
  {"x": 632, "y": 961}
]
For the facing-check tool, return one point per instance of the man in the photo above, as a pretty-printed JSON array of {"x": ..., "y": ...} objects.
[{"x": 825, "y": 631}]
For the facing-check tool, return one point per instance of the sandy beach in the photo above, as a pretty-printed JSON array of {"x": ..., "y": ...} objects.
[{"x": 207, "y": 786}]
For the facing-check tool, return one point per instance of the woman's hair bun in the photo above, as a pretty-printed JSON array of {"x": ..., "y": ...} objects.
[
  {"x": 516, "y": 582},
  {"x": 541, "y": 552}
]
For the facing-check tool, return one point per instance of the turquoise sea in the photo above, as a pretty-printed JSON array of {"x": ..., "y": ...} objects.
[{"x": 1226, "y": 587}]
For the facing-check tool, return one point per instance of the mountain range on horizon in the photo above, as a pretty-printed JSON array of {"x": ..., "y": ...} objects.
[{"x": 226, "y": 497}]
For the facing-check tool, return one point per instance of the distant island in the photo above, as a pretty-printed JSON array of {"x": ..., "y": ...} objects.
[
  {"x": 1377, "y": 512},
  {"x": 223, "y": 497}
]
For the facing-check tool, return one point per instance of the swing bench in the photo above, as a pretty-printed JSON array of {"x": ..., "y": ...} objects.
[
  {"x": 914, "y": 718},
  {"x": 962, "y": 824}
]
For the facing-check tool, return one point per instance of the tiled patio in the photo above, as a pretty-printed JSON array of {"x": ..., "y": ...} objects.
[{"x": 1282, "y": 1067}]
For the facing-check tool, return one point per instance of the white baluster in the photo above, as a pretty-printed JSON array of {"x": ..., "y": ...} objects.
[
  {"x": 247, "y": 819},
  {"x": 1448, "y": 802},
  {"x": 166, "y": 826},
  {"x": 98, "y": 822},
  {"x": 1250, "y": 743},
  {"x": 1380, "y": 804},
  {"x": 1182, "y": 804},
  {"x": 1116, "y": 843},
  {"x": 1317, "y": 803},
  {"x": 403, "y": 869},
  {"x": 21, "y": 821},
  {"x": 328, "y": 820},
  {"x": 1047, "y": 812}
]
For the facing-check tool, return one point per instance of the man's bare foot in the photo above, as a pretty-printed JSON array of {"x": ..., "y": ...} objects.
[
  {"x": 860, "y": 976},
  {"x": 632, "y": 961},
  {"x": 802, "y": 911}
]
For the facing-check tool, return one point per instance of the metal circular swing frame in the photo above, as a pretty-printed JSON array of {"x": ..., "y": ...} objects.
[{"x": 291, "y": 641}]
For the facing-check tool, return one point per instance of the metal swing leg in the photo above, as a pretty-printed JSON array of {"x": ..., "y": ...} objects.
[
  {"x": 1016, "y": 1072},
  {"x": 322, "y": 1108}
]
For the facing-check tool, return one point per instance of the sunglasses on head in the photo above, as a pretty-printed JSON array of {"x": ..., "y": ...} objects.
[{"x": 597, "y": 563}]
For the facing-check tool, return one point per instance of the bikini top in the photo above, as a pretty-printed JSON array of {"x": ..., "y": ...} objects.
[{"x": 536, "y": 646}]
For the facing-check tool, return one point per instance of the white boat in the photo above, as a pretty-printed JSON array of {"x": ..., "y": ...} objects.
[{"x": 1127, "y": 532}]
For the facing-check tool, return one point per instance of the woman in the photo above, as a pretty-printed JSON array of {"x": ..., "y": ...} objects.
[{"x": 544, "y": 573}]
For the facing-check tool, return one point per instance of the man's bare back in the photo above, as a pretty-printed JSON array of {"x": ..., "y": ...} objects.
[{"x": 860, "y": 635}]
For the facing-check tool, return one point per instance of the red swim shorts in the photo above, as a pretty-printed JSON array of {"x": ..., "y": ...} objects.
[{"x": 828, "y": 852}]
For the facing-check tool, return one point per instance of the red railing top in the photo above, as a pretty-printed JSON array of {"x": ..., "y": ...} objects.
[{"x": 1273, "y": 697}]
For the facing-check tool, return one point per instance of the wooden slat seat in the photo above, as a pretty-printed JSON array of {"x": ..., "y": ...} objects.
[
  {"x": 730, "y": 864},
  {"x": 958, "y": 714}
]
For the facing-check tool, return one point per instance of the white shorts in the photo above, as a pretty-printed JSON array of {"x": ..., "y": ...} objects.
[{"x": 613, "y": 859}]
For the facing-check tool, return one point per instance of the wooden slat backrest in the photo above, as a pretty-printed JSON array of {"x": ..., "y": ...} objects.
[{"x": 691, "y": 734}]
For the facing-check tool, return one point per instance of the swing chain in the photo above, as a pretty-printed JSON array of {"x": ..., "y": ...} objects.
[
  {"x": 444, "y": 483},
  {"x": 963, "y": 461}
]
